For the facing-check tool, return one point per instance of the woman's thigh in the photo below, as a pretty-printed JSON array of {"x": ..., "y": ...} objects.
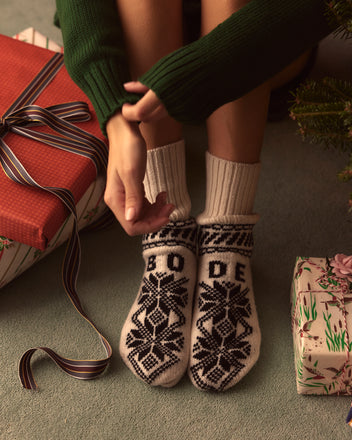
[{"x": 152, "y": 29}]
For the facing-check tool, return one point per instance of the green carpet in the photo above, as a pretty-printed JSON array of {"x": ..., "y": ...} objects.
[{"x": 303, "y": 212}]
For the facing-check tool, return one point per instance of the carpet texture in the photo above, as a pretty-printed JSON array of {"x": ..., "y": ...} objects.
[{"x": 303, "y": 212}]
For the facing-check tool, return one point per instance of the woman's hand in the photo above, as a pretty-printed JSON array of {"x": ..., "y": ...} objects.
[
  {"x": 148, "y": 109},
  {"x": 124, "y": 193}
]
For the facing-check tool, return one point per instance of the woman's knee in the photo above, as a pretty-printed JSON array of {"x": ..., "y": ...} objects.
[
  {"x": 151, "y": 28},
  {"x": 215, "y": 12}
]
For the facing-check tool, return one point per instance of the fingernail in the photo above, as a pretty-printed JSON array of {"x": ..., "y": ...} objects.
[{"x": 130, "y": 214}]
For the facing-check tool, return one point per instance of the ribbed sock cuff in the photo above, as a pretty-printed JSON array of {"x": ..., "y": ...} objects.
[
  {"x": 230, "y": 189},
  {"x": 166, "y": 171}
]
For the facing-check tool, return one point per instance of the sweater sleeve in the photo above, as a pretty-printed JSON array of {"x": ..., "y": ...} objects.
[
  {"x": 241, "y": 53},
  {"x": 94, "y": 53}
]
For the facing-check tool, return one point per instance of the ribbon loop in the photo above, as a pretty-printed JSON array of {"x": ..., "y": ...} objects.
[{"x": 30, "y": 115}]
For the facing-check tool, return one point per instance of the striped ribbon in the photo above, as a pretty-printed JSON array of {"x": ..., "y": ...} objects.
[{"x": 20, "y": 118}]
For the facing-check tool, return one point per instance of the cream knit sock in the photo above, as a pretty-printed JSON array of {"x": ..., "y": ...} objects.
[
  {"x": 230, "y": 189},
  {"x": 225, "y": 334},
  {"x": 155, "y": 339},
  {"x": 166, "y": 171}
]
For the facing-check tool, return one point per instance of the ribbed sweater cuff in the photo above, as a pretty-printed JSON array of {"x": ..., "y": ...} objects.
[
  {"x": 104, "y": 87},
  {"x": 241, "y": 53}
]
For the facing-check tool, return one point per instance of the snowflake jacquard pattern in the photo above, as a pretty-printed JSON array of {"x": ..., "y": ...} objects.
[
  {"x": 223, "y": 324},
  {"x": 155, "y": 340},
  {"x": 223, "y": 327}
]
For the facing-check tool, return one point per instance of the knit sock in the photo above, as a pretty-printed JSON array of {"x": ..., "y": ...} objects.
[
  {"x": 166, "y": 171},
  {"x": 225, "y": 334},
  {"x": 155, "y": 339}
]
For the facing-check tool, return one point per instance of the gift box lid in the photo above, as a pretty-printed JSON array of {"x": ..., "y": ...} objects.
[
  {"x": 318, "y": 275},
  {"x": 32, "y": 36},
  {"x": 29, "y": 215}
]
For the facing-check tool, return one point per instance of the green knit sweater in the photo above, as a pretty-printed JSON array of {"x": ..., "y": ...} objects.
[{"x": 245, "y": 50}]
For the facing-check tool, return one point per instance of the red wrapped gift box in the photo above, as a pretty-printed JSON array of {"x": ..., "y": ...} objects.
[{"x": 29, "y": 215}]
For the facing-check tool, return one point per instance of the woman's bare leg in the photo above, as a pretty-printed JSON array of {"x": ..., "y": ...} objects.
[
  {"x": 156, "y": 335},
  {"x": 152, "y": 29},
  {"x": 236, "y": 130},
  {"x": 225, "y": 335}
]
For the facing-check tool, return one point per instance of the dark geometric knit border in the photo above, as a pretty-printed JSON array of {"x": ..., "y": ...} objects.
[
  {"x": 226, "y": 238},
  {"x": 179, "y": 233}
]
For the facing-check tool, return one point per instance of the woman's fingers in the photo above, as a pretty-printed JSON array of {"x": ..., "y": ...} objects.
[
  {"x": 148, "y": 109},
  {"x": 135, "y": 87}
]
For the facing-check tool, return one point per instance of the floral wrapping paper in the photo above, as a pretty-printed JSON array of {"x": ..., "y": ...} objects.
[
  {"x": 321, "y": 326},
  {"x": 32, "y": 36},
  {"x": 16, "y": 257}
]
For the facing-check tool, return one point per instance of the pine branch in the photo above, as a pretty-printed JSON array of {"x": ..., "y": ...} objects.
[
  {"x": 340, "y": 14},
  {"x": 346, "y": 174},
  {"x": 323, "y": 111}
]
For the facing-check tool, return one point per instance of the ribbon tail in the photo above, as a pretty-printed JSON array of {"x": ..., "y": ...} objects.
[
  {"x": 25, "y": 371},
  {"x": 79, "y": 369},
  {"x": 76, "y": 140}
]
